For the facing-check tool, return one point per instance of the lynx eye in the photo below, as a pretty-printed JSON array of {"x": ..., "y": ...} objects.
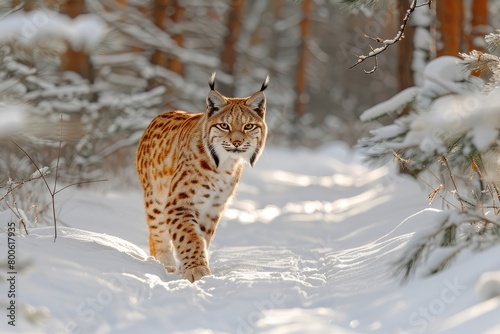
[
  {"x": 223, "y": 126},
  {"x": 249, "y": 127}
]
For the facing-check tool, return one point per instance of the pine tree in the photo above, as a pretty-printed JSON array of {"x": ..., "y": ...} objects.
[{"x": 448, "y": 137}]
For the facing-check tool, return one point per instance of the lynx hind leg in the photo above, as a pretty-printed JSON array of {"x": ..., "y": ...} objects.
[
  {"x": 163, "y": 254},
  {"x": 160, "y": 244}
]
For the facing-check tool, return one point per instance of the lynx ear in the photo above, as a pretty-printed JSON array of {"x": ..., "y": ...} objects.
[
  {"x": 258, "y": 103},
  {"x": 215, "y": 101}
]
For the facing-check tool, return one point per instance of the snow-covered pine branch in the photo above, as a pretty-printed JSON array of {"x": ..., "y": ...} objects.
[
  {"x": 493, "y": 42},
  {"x": 394, "y": 105},
  {"x": 449, "y": 139},
  {"x": 132, "y": 23}
]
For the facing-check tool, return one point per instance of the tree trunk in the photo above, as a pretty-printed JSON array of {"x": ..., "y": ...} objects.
[
  {"x": 77, "y": 61},
  {"x": 479, "y": 25},
  {"x": 450, "y": 15},
  {"x": 72, "y": 8},
  {"x": 405, "y": 55},
  {"x": 26, "y": 6},
  {"x": 174, "y": 63},
  {"x": 159, "y": 18},
  {"x": 277, "y": 8},
  {"x": 146, "y": 12},
  {"x": 302, "y": 97},
  {"x": 229, "y": 52},
  {"x": 74, "y": 59}
]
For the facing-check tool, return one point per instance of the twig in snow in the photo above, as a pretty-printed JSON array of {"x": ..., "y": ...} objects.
[
  {"x": 40, "y": 173},
  {"x": 52, "y": 191}
]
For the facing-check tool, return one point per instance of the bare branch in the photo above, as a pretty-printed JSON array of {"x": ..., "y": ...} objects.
[
  {"x": 52, "y": 194},
  {"x": 52, "y": 191},
  {"x": 388, "y": 42},
  {"x": 374, "y": 67},
  {"x": 79, "y": 183}
]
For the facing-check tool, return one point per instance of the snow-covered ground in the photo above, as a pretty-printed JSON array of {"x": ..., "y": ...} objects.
[{"x": 307, "y": 246}]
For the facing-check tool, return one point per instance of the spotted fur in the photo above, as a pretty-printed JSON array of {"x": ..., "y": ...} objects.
[{"x": 189, "y": 165}]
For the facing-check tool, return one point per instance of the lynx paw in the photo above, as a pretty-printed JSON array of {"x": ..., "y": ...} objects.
[
  {"x": 170, "y": 269},
  {"x": 167, "y": 259},
  {"x": 194, "y": 274}
]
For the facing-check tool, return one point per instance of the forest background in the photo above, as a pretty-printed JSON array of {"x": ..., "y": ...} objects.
[{"x": 89, "y": 75}]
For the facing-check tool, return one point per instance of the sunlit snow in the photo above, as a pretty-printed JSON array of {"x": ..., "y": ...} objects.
[{"x": 307, "y": 246}]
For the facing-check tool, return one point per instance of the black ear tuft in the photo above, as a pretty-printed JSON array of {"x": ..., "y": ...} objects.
[
  {"x": 211, "y": 82},
  {"x": 265, "y": 84}
]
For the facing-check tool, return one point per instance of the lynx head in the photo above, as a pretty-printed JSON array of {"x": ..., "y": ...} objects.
[{"x": 235, "y": 128}]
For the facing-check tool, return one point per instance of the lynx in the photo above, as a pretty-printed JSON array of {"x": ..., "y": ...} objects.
[{"x": 189, "y": 165}]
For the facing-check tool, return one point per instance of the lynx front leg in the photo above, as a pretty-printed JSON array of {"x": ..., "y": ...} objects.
[{"x": 190, "y": 247}]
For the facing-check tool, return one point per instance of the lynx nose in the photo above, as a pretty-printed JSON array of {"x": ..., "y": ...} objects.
[{"x": 237, "y": 139}]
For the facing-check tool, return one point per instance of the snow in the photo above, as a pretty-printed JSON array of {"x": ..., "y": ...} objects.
[
  {"x": 84, "y": 32},
  {"x": 421, "y": 17},
  {"x": 422, "y": 20},
  {"x": 473, "y": 116},
  {"x": 396, "y": 104},
  {"x": 438, "y": 121},
  {"x": 488, "y": 285},
  {"x": 441, "y": 77},
  {"x": 11, "y": 118},
  {"x": 446, "y": 75},
  {"x": 421, "y": 38},
  {"x": 428, "y": 221},
  {"x": 44, "y": 171},
  {"x": 307, "y": 246}
]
